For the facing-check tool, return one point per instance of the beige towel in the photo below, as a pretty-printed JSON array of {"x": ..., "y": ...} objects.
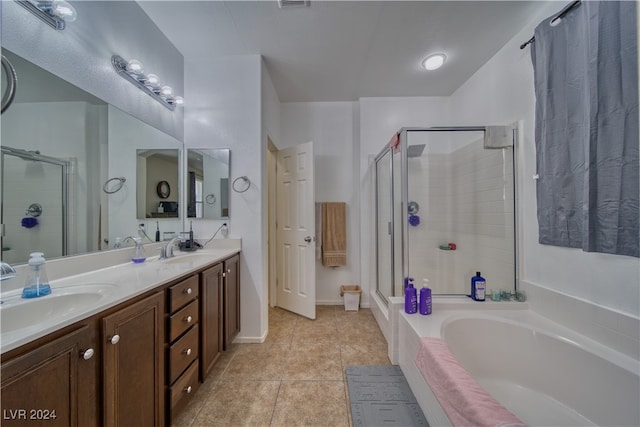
[{"x": 334, "y": 234}]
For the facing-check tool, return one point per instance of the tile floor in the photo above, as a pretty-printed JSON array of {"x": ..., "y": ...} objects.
[{"x": 295, "y": 378}]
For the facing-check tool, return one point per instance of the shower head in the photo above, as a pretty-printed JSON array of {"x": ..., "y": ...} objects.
[{"x": 415, "y": 150}]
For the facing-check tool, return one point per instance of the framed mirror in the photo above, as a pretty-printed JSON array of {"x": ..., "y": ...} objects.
[
  {"x": 208, "y": 183},
  {"x": 157, "y": 183}
]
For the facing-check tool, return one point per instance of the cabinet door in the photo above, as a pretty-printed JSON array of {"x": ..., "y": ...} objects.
[
  {"x": 53, "y": 385},
  {"x": 231, "y": 300},
  {"x": 133, "y": 367},
  {"x": 210, "y": 318}
]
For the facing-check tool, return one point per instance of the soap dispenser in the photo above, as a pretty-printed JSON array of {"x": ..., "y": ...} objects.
[
  {"x": 139, "y": 255},
  {"x": 37, "y": 284}
]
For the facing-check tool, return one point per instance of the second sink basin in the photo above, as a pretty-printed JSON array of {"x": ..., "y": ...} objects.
[{"x": 195, "y": 258}]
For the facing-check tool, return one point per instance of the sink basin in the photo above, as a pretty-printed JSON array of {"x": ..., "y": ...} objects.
[
  {"x": 17, "y": 313},
  {"x": 195, "y": 258}
]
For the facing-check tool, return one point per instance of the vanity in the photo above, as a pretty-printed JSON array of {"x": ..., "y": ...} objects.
[{"x": 136, "y": 357}]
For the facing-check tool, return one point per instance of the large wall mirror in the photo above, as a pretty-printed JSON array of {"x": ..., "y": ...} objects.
[
  {"x": 60, "y": 147},
  {"x": 208, "y": 183}
]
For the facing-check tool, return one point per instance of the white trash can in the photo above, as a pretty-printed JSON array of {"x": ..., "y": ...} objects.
[{"x": 351, "y": 294}]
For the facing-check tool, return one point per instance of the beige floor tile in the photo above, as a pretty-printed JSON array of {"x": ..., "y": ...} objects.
[
  {"x": 363, "y": 354},
  {"x": 258, "y": 362},
  {"x": 313, "y": 366},
  {"x": 239, "y": 403},
  {"x": 280, "y": 332},
  {"x": 310, "y": 404}
]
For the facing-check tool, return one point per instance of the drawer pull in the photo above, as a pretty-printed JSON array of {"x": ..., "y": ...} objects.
[
  {"x": 188, "y": 291},
  {"x": 188, "y": 319},
  {"x": 188, "y": 390},
  {"x": 188, "y": 352},
  {"x": 114, "y": 339},
  {"x": 87, "y": 354}
]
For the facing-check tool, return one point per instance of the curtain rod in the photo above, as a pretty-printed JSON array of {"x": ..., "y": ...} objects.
[{"x": 560, "y": 15}]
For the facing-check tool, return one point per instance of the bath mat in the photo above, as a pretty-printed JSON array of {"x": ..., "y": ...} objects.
[{"x": 380, "y": 396}]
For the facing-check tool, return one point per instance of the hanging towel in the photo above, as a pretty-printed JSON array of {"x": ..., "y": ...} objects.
[{"x": 334, "y": 234}]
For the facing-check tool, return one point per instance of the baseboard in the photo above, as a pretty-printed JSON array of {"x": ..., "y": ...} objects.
[
  {"x": 339, "y": 302},
  {"x": 251, "y": 340}
]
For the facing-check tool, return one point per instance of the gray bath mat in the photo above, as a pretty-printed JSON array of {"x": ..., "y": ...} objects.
[{"x": 380, "y": 396}]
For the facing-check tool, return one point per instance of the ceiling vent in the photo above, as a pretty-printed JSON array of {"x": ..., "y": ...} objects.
[{"x": 284, "y": 4}]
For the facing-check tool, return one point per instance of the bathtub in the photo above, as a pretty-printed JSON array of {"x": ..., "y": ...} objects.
[{"x": 544, "y": 373}]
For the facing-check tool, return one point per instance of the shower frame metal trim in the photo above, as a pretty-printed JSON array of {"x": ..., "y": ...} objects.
[
  {"x": 64, "y": 164},
  {"x": 391, "y": 229}
]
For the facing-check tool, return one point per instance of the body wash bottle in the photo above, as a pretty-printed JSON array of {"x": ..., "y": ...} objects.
[
  {"x": 410, "y": 299},
  {"x": 425, "y": 298},
  {"x": 478, "y": 287}
]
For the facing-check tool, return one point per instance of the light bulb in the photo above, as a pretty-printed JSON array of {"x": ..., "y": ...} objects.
[
  {"x": 63, "y": 10},
  {"x": 433, "y": 62},
  {"x": 178, "y": 100},
  {"x": 135, "y": 66},
  {"x": 166, "y": 91},
  {"x": 152, "y": 80}
]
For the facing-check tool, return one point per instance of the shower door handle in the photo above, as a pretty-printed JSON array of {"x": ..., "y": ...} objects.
[{"x": 389, "y": 228}]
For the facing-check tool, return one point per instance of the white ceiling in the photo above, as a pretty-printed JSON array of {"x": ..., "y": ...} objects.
[{"x": 345, "y": 50}]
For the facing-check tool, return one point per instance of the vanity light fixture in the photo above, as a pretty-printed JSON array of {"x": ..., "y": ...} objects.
[
  {"x": 133, "y": 71},
  {"x": 433, "y": 62},
  {"x": 56, "y": 13}
]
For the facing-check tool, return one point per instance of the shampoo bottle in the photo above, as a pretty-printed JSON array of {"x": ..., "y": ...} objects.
[
  {"x": 37, "y": 284},
  {"x": 410, "y": 299},
  {"x": 425, "y": 298},
  {"x": 478, "y": 287}
]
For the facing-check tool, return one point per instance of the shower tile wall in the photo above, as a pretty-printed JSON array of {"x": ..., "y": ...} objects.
[{"x": 466, "y": 198}]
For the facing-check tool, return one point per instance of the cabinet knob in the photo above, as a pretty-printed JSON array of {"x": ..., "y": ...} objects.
[
  {"x": 229, "y": 270},
  {"x": 114, "y": 339},
  {"x": 188, "y": 390},
  {"x": 188, "y": 291},
  {"x": 188, "y": 319},
  {"x": 87, "y": 354},
  {"x": 188, "y": 352}
]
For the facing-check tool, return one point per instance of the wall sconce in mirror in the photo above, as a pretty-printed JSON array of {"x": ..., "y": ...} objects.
[
  {"x": 133, "y": 72},
  {"x": 55, "y": 13}
]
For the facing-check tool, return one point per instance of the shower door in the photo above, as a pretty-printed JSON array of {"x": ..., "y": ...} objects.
[
  {"x": 384, "y": 224},
  {"x": 40, "y": 182}
]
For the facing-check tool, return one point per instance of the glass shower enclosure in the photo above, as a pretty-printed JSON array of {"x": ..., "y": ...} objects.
[{"x": 445, "y": 209}]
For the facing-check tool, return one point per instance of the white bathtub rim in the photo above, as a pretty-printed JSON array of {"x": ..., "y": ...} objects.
[{"x": 434, "y": 325}]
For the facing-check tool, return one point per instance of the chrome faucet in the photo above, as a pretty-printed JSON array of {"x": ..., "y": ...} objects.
[
  {"x": 167, "y": 251},
  {"x": 6, "y": 271}
]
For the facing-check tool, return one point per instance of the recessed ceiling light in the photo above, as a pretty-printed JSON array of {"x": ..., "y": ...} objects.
[{"x": 433, "y": 62}]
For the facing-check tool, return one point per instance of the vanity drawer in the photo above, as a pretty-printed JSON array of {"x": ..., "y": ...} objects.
[
  {"x": 183, "y": 292},
  {"x": 183, "y": 320},
  {"x": 183, "y": 389},
  {"x": 182, "y": 353}
]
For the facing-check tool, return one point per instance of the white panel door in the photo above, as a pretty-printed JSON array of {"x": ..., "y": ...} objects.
[{"x": 295, "y": 233}]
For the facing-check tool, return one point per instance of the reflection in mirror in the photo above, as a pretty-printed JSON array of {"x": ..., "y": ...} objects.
[
  {"x": 157, "y": 173},
  {"x": 208, "y": 183},
  {"x": 52, "y": 127}
]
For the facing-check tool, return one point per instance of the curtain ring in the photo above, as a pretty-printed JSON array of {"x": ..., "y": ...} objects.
[
  {"x": 246, "y": 181},
  {"x": 210, "y": 199},
  {"x": 117, "y": 187}
]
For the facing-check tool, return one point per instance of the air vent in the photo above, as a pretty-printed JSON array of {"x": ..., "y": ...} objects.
[{"x": 282, "y": 4}]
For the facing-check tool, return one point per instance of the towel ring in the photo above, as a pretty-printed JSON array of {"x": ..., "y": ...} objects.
[
  {"x": 210, "y": 199},
  {"x": 246, "y": 181},
  {"x": 121, "y": 180}
]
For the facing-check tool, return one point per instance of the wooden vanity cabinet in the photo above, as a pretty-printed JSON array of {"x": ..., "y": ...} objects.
[
  {"x": 183, "y": 347},
  {"x": 133, "y": 364},
  {"x": 55, "y": 384},
  {"x": 231, "y": 295},
  {"x": 211, "y": 284}
]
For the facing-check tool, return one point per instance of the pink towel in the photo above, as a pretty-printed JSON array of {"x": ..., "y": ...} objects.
[
  {"x": 459, "y": 394},
  {"x": 394, "y": 143}
]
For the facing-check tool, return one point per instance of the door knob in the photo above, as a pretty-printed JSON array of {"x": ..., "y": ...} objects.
[{"x": 307, "y": 239}]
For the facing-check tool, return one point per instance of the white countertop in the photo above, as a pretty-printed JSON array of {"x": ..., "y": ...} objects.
[{"x": 117, "y": 283}]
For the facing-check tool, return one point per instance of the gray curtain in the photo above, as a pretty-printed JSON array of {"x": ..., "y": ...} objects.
[{"x": 586, "y": 86}]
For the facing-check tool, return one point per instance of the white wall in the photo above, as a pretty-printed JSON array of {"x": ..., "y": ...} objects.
[
  {"x": 330, "y": 126},
  {"x": 501, "y": 92},
  {"x": 226, "y": 113}
]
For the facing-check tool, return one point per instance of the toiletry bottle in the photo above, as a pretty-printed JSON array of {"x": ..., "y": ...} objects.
[
  {"x": 478, "y": 287},
  {"x": 139, "y": 255},
  {"x": 410, "y": 299},
  {"x": 37, "y": 284},
  {"x": 425, "y": 298}
]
